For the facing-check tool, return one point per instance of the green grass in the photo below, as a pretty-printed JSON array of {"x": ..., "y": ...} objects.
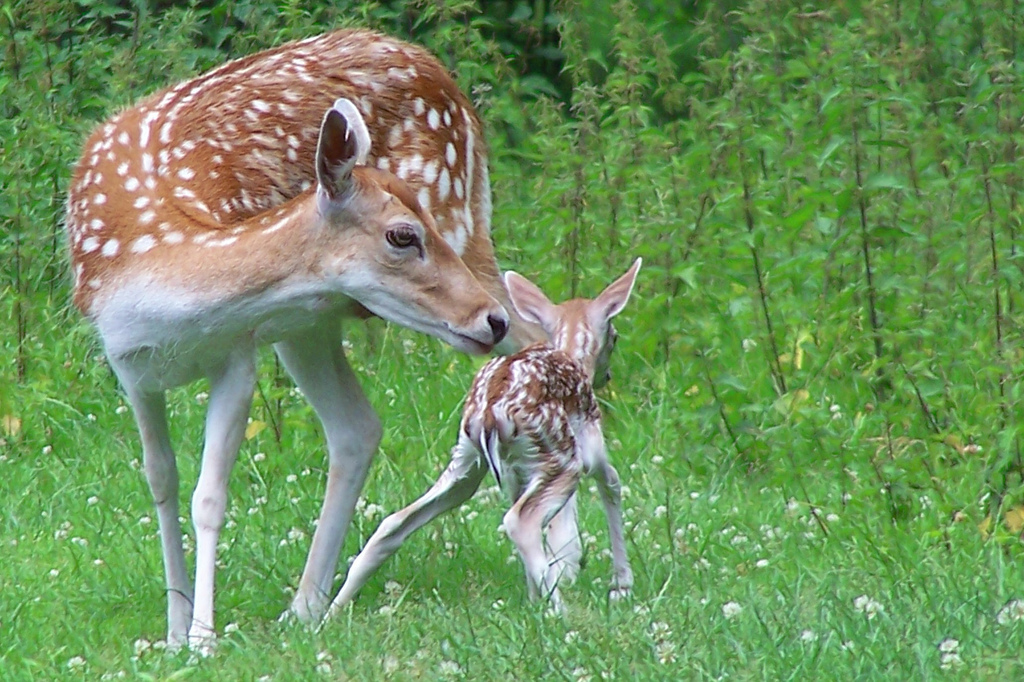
[
  {"x": 816, "y": 400},
  {"x": 83, "y": 576}
]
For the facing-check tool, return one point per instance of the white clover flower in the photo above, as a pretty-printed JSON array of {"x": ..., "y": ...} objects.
[
  {"x": 47, "y": 449},
  {"x": 660, "y": 630},
  {"x": 665, "y": 651},
  {"x": 120, "y": 409},
  {"x": 141, "y": 646},
  {"x": 951, "y": 660},
  {"x": 792, "y": 506},
  {"x": 660, "y": 511},
  {"x": 386, "y": 610},
  {"x": 571, "y": 637},
  {"x": 581, "y": 675},
  {"x": 145, "y": 521},
  {"x": 259, "y": 457},
  {"x": 657, "y": 459},
  {"x": 809, "y": 636},
  {"x": 868, "y": 606},
  {"x": 393, "y": 588},
  {"x": 731, "y": 609},
  {"x": 323, "y": 668},
  {"x": 498, "y": 605},
  {"x": 1012, "y": 612},
  {"x": 92, "y": 501},
  {"x": 76, "y": 663},
  {"x": 54, "y": 572},
  {"x": 761, "y": 563},
  {"x": 949, "y": 645},
  {"x": 748, "y": 345},
  {"x": 390, "y": 664},
  {"x": 449, "y": 669},
  {"x": 202, "y": 397},
  {"x": 230, "y": 628},
  {"x": 372, "y": 510}
]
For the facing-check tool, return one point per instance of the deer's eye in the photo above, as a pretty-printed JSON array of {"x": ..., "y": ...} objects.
[{"x": 402, "y": 237}]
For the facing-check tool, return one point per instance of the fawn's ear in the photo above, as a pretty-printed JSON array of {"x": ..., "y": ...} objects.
[
  {"x": 530, "y": 302},
  {"x": 344, "y": 143},
  {"x": 613, "y": 299}
]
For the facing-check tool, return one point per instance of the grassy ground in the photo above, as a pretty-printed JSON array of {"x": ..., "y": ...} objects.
[
  {"x": 738, "y": 576},
  {"x": 817, "y": 391}
]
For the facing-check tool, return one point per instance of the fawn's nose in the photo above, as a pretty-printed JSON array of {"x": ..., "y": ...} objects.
[{"x": 499, "y": 326}]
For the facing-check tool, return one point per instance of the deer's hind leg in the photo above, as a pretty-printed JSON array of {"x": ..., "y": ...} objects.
[{"x": 525, "y": 523}]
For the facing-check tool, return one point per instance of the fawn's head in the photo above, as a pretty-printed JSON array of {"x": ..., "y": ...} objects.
[
  {"x": 386, "y": 252},
  {"x": 582, "y": 328}
]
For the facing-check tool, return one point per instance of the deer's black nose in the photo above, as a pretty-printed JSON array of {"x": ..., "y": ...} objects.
[{"x": 499, "y": 327}]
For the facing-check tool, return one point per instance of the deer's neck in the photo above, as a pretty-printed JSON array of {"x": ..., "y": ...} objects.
[{"x": 580, "y": 346}]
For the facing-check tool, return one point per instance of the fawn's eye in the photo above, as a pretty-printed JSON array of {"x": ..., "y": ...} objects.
[{"x": 402, "y": 237}]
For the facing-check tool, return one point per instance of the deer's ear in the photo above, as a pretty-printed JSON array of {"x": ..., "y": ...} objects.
[
  {"x": 613, "y": 299},
  {"x": 344, "y": 143},
  {"x": 530, "y": 302}
]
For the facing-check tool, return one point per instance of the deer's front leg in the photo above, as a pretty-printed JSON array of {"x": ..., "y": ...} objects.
[
  {"x": 456, "y": 484},
  {"x": 231, "y": 387},
  {"x": 316, "y": 361},
  {"x": 162, "y": 475}
]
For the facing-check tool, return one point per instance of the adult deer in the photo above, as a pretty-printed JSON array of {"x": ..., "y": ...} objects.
[{"x": 263, "y": 202}]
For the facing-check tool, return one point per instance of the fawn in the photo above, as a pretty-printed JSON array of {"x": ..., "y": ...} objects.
[
  {"x": 531, "y": 419},
  {"x": 264, "y": 202}
]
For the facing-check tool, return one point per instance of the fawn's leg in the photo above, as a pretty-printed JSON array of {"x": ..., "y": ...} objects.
[
  {"x": 591, "y": 449},
  {"x": 525, "y": 523},
  {"x": 563, "y": 545},
  {"x": 457, "y": 484}
]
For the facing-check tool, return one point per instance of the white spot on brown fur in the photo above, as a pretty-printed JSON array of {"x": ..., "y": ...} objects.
[
  {"x": 447, "y": 118},
  {"x": 174, "y": 238},
  {"x": 96, "y": 224},
  {"x": 90, "y": 244},
  {"x": 141, "y": 202},
  {"x": 430, "y": 172},
  {"x": 186, "y": 173},
  {"x": 99, "y": 199},
  {"x": 131, "y": 184},
  {"x": 418, "y": 107},
  {"x": 143, "y": 244},
  {"x": 110, "y": 248},
  {"x": 444, "y": 186},
  {"x": 449, "y": 155},
  {"x": 433, "y": 119},
  {"x": 147, "y": 217},
  {"x": 424, "y": 198},
  {"x": 147, "y": 163},
  {"x": 459, "y": 190},
  {"x": 122, "y": 168},
  {"x": 123, "y": 138}
]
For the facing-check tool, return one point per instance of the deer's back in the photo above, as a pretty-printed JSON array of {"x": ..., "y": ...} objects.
[{"x": 191, "y": 163}]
